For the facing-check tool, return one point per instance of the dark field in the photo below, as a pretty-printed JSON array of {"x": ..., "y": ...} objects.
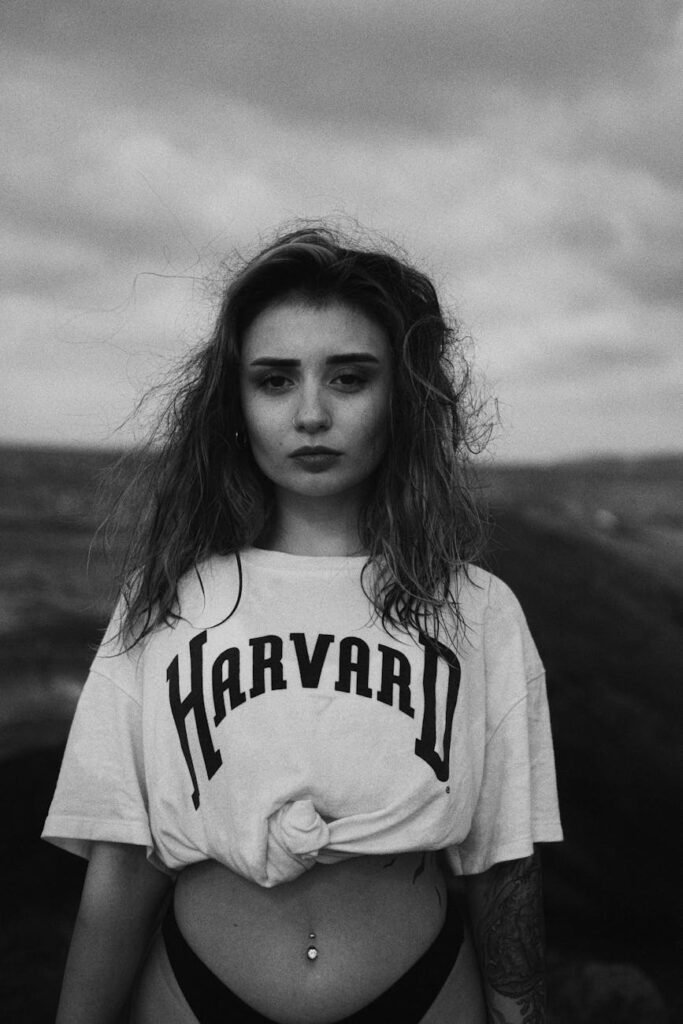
[{"x": 594, "y": 551}]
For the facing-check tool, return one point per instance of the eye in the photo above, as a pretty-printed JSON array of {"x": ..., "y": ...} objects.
[
  {"x": 349, "y": 380},
  {"x": 275, "y": 382}
]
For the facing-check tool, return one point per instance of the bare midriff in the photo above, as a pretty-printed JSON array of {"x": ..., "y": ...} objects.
[{"x": 368, "y": 919}]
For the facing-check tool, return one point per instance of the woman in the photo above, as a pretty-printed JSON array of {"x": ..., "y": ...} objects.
[{"x": 310, "y": 709}]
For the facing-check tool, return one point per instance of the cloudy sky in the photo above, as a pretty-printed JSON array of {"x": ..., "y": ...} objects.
[{"x": 527, "y": 153}]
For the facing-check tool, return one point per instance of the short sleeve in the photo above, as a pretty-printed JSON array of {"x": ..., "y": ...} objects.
[
  {"x": 517, "y": 803},
  {"x": 101, "y": 792}
]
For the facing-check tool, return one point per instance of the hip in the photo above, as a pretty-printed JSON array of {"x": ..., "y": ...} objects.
[
  {"x": 414, "y": 999},
  {"x": 328, "y": 942}
]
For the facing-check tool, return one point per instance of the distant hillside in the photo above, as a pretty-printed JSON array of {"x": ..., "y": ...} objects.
[
  {"x": 632, "y": 506},
  {"x": 611, "y": 636},
  {"x": 594, "y": 553}
]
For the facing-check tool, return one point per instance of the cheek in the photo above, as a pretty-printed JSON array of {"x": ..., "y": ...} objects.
[
  {"x": 261, "y": 426},
  {"x": 382, "y": 413},
  {"x": 374, "y": 430},
  {"x": 266, "y": 443}
]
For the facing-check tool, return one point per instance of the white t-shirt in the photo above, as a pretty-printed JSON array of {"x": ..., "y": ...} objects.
[{"x": 293, "y": 728}]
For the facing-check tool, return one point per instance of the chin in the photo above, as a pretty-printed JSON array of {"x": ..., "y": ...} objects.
[{"x": 317, "y": 487}]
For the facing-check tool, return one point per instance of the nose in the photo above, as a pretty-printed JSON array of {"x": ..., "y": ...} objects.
[{"x": 311, "y": 414}]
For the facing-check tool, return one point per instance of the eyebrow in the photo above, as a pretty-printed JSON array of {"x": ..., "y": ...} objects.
[{"x": 347, "y": 357}]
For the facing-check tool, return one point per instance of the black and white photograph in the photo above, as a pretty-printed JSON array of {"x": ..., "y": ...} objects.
[{"x": 341, "y": 512}]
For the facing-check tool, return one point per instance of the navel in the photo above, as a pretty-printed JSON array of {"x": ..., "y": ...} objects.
[{"x": 312, "y": 951}]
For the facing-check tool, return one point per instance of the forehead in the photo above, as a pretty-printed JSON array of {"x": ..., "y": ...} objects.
[{"x": 295, "y": 329}]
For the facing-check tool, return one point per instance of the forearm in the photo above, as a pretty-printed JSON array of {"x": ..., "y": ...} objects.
[
  {"x": 506, "y": 909},
  {"x": 100, "y": 969},
  {"x": 119, "y": 908}
]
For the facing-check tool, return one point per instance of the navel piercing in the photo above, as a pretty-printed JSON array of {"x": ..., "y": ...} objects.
[{"x": 312, "y": 952}]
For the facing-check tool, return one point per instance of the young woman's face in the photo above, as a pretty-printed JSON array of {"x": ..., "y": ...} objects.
[{"x": 315, "y": 385}]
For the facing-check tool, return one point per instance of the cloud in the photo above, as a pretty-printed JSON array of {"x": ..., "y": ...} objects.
[
  {"x": 588, "y": 360},
  {"x": 638, "y": 125},
  {"x": 627, "y": 224},
  {"x": 421, "y": 67},
  {"x": 527, "y": 153}
]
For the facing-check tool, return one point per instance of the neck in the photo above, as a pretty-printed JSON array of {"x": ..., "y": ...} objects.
[{"x": 315, "y": 526}]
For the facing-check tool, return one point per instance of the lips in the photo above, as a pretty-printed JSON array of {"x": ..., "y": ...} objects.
[
  {"x": 315, "y": 458},
  {"x": 309, "y": 450}
]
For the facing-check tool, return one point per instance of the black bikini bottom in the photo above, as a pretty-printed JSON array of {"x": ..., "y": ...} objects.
[{"x": 407, "y": 1000}]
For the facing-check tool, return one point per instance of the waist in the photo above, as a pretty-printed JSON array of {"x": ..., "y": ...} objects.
[{"x": 328, "y": 942}]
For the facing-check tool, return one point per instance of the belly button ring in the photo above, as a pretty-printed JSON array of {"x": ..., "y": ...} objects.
[{"x": 312, "y": 952}]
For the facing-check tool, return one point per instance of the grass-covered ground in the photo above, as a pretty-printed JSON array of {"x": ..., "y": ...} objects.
[{"x": 594, "y": 552}]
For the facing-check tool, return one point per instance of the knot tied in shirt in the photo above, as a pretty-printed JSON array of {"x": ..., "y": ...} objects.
[{"x": 296, "y": 834}]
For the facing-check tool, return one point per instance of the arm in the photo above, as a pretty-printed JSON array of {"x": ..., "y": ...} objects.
[
  {"x": 506, "y": 911},
  {"x": 121, "y": 898}
]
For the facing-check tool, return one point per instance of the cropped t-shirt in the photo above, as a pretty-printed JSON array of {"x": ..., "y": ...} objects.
[{"x": 277, "y": 723}]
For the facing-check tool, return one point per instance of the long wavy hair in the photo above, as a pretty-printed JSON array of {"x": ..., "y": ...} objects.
[{"x": 198, "y": 491}]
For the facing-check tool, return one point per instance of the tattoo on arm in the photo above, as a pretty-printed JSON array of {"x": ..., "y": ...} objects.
[{"x": 508, "y": 926}]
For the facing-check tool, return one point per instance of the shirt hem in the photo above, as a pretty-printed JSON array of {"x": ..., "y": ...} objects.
[
  {"x": 514, "y": 850},
  {"x": 77, "y": 834}
]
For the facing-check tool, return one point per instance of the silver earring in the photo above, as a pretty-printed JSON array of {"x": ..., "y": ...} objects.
[{"x": 241, "y": 440}]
